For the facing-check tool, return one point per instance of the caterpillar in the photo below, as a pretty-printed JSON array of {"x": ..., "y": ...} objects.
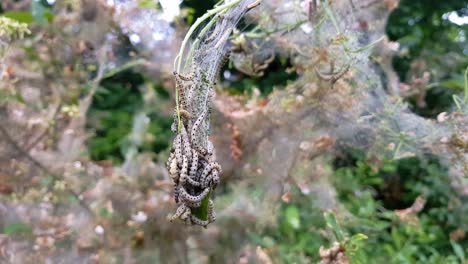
[
  {"x": 211, "y": 211},
  {"x": 197, "y": 221},
  {"x": 214, "y": 33},
  {"x": 186, "y": 216},
  {"x": 196, "y": 125},
  {"x": 182, "y": 88},
  {"x": 193, "y": 204},
  {"x": 176, "y": 193},
  {"x": 224, "y": 59},
  {"x": 341, "y": 74},
  {"x": 212, "y": 177},
  {"x": 186, "y": 143},
  {"x": 180, "y": 210},
  {"x": 192, "y": 182},
  {"x": 178, "y": 149},
  {"x": 194, "y": 168},
  {"x": 185, "y": 114},
  {"x": 211, "y": 216},
  {"x": 187, "y": 78},
  {"x": 184, "y": 196},
  {"x": 183, "y": 171},
  {"x": 207, "y": 170},
  {"x": 216, "y": 179},
  {"x": 173, "y": 170}
]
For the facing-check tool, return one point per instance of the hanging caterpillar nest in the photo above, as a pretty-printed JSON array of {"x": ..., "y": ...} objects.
[{"x": 192, "y": 164}]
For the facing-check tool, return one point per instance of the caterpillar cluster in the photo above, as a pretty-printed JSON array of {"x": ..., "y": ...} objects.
[{"x": 191, "y": 166}]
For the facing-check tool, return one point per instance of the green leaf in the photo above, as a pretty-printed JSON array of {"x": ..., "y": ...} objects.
[
  {"x": 190, "y": 15},
  {"x": 456, "y": 84},
  {"x": 47, "y": 181},
  {"x": 17, "y": 228},
  {"x": 268, "y": 241},
  {"x": 292, "y": 217},
  {"x": 40, "y": 13},
  {"x": 458, "y": 102},
  {"x": 357, "y": 237},
  {"x": 331, "y": 222},
  {"x": 6, "y": 96},
  {"x": 149, "y": 4},
  {"x": 458, "y": 250},
  {"x": 105, "y": 213},
  {"x": 20, "y": 16},
  {"x": 396, "y": 237},
  {"x": 354, "y": 242},
  {"x": 72, "y": 199},
  {"x": 202, "y": 211}
]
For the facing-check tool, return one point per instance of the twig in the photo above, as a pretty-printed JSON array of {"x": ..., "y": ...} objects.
[
  {"x": 31, "y": 145},
  {"x": 39, "y": 165},
  {"x": 178, "y": 60},
  {"x": 466, "y": 86},
  {"x": 253, "y": 5}
]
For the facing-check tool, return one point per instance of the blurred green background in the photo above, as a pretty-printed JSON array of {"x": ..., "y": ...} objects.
[
  {"x": 425, "y": 34},
  {"x": 428, "y": 34}
]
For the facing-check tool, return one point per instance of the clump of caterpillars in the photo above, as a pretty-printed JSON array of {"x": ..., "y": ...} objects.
[{"x": 191, "y": 166}]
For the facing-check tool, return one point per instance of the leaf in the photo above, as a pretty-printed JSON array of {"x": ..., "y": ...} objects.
[
  {"x": 20, "y": 16},
  {"x": 292, "y": 217},
  {"x": 105, "y": 213},
  {"x": 458, "y": 102},
  {"x": 357, "y": 237},
  {"x": 268, "y": 242},
  {"x": 202, "y": 211},
  {"x": 6, "y": 96},
  {"x": 456, "y": 84},
  {"x": 331, "y": 222},
  {"x": 72, "y": 199},
  {"x": 396, "y": 237},
  {"x": 149, "y": 4},
  {"x": 458, "y": 250},
  {"x": 47, "y": 181},
  {"x": 40, "y": 13},
  {"x": 17, "y": 228},
  {"x": 353, "y": 244}
]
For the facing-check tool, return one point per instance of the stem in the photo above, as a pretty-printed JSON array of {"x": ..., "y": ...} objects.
[
  {"x": 202, "y": 32},
  {"x": 466, "y": 86},
  {"x": 197, "y": 23},
  {"x": 39, "y": 165},
  {"x": 397, "y": 150},
  {"x": 178, "y": 59},
  {"x": 457, "y": 101},
  {"x": 331, "y": 16},
  {"x": 368, "y": 46},
  {"x": 122, "y": 68}
]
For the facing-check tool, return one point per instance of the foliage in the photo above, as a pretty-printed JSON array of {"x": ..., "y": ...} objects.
[
  {"x": 115, "y": 104},
  {"x": 422, "y": 26},
  {"x": 297, "y": 237},
  {"x": 302, "y": 230},
  {"x": 429, "y": 41},
  {"x": 58, "y": 203},
  {"x": 196, "y": 8},
  {"x": 369, "y": 192},
  {"x": 17, "y": 229},
  {"x": 275, "y": 77},
  {"x": 12, "y": 29}
]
